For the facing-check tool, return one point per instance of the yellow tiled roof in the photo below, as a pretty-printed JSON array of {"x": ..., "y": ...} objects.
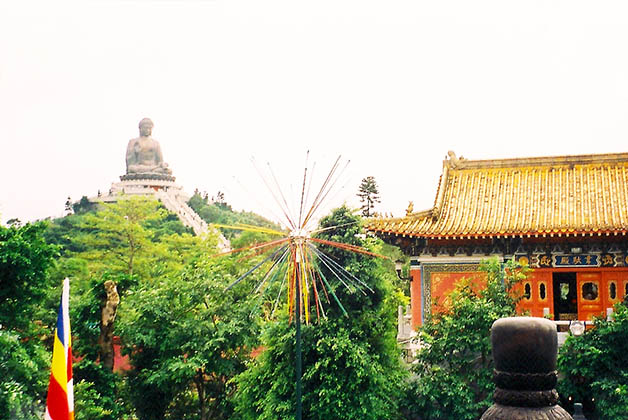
[{"x": 547, "y": 196}]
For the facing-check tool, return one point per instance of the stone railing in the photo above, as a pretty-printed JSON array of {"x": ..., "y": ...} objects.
[
  {"x": 409, "y": 342},
  {"x": 177, "y": 204},
  {"x": 406, "y": 335}
]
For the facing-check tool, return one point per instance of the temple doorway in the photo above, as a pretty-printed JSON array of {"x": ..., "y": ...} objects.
[{"x": 565, "y": 296}]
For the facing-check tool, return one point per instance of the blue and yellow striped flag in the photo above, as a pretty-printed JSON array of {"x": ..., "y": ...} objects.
[{"x": 60, "y": 402}]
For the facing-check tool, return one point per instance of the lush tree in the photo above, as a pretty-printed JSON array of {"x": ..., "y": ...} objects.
[
  {"x": 369, "y": 195},
  {"x": 64, "y": 232},
  {"x": 133, "y": 240},
  {"x": 454, "y": 367},
  {"x": 351, "y": 365},
  {"x": 222, "y": 213},
  {"x": 24, "y": 369},
  {"x": 99, "y": 393},
  {"x": 107, "y": 253},
  {"x": 117, "y": 238},
  {"x": 111, "y": 242},
  {"x": 595, "y": 367},
  {"x": 25, "y": 312},
  {"x": 25, "y": 259},
  {"x": 187, "y": 333},
  {"x": 82, "y": 206}
]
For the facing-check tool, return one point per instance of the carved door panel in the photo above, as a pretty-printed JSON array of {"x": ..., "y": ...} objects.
[
  {"x": 545, "y": 294},
  {"x": 613, "y": 288},
  {"x": 590, "y": 295},
  {"x": 536, "y": 291}
]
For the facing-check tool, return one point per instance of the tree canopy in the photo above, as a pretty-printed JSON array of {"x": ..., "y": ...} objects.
[
  {"x": 25, "y": 312},
  {"x": 185, "y": 332},
  {"x": 132, "y": 246},
  {"x": 25, "y": 259},
  {"x": 219, "y": 212},
  {"x": 595, "y": 367},
  {"x": 454, "y": 366},
  {"x": 351, "y": 364}
]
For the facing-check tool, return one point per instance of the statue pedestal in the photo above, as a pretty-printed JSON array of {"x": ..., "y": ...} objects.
[
  {"x": 145, "y": 186},
  {"x": 147, "y": 177},
  {"x": 131, "y": 186}
]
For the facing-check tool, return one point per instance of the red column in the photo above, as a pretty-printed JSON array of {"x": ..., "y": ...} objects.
[{"x": 415, "y": 296}]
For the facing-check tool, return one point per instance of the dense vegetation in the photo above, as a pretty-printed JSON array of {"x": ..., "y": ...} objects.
[
  {"x": 453, "y": 371},
  {"x": 138, "y": 274},
  {"x": 25, "y": 289},
  {"x": 219, "y": 212},
  {"x": 351, "y": 364},
  {"x": 595, "y": 367},
  {"x": 140, "y": 277}
]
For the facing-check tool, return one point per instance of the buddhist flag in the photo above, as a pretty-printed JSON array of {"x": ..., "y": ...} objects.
[{"x": 60, "y": 402}]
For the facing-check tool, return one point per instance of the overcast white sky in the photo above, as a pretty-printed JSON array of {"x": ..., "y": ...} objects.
[{"x": 390, "y": 85}]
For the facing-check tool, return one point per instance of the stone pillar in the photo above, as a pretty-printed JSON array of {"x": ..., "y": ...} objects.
[{"x": 524, "y": 350}]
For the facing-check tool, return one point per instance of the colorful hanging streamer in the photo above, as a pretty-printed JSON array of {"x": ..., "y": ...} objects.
[{"x": 294, "y": 257}]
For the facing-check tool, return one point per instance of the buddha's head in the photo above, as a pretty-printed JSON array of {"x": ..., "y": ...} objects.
[{"x": 146, "y": 127}]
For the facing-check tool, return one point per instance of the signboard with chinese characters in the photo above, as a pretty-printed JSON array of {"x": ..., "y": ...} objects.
[
  {"x": 579, "y": 260},
  {"x": 576, "y": 260}
]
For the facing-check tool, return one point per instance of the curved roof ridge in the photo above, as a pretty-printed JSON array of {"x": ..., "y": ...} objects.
[
  {"x": 563, "y": 195},
  {"x": 543, "y": 161}
]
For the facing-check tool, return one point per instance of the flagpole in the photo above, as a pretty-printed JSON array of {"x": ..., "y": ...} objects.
[
  {"x": 298, "y": 341},
  {"x": 60, "y": 399}
]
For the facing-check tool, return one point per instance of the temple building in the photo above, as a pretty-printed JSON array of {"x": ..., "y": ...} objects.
[{"x": 566, "y": 216}]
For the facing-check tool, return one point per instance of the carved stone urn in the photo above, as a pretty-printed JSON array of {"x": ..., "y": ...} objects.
[{"x": 524, "y": 350}]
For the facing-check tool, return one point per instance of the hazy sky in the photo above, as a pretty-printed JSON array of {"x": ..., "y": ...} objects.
[{"x": 389, "y": 85}]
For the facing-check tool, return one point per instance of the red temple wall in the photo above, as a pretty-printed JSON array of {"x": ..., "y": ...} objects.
[
  {"x": 444, "y": 283},
  {"x": 540, "y": 301}
]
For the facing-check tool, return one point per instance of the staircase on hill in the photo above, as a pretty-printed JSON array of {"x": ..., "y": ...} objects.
[{"x": 177, "y": 204}]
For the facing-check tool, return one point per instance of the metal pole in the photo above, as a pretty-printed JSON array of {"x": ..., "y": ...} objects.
[{"x": 298, "y": 340}]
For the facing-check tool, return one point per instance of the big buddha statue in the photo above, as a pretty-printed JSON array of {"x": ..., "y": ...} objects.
[{"x": 143, "y": 156}]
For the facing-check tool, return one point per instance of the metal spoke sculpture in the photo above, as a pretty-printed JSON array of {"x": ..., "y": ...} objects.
[{"x": 295, "y": 259}]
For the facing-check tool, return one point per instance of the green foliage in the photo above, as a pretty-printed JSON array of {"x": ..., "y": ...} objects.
[
  {"x": 185, "y": 333},
  {"x": 132, "y": 242},
  {"x": 369, "y": 195},
  {"x": 83, "y": 206},
  {"x": 87, "y": 403},
  {"x": 351, "y": 365},
  {"x": 221, "y": 213},
  {"x": 454, "y": 365},
  {"x": 24, "y": 369},
  {"x": 25, "y": 259},
  {"x": 86, "y": 301},
  {"x": 393, "y": 254},
  {"x": 167, "y": 226},
  {"x": 250, "y": 238},
  {"x": 63, "y": 233},
  {"x": 25, "y": 287},
  {"x": 116, "y": 237},
  {"x": 132, "y": 236},
  {"x": 595, "y": 366},
  {"x": 98, "y": 392}
]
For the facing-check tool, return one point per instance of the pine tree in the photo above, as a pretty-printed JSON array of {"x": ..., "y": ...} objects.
[{"x": 369, "y": 195}]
